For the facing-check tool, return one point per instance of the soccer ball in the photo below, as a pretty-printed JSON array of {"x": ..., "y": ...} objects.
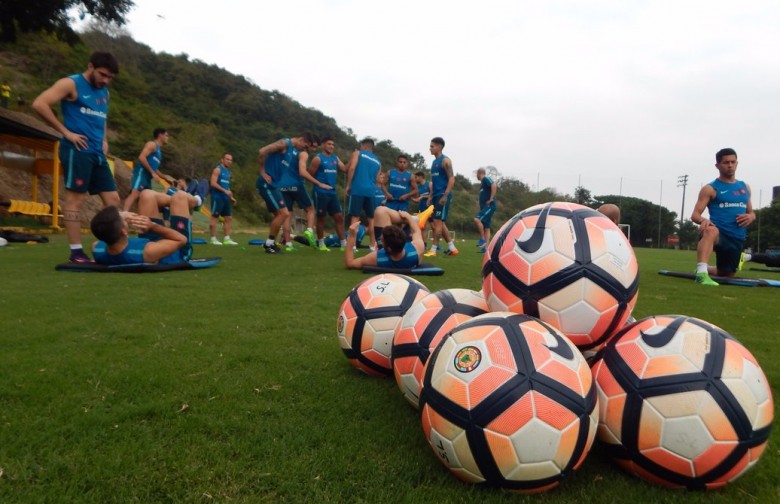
[
  {"x": 368, "y": 316},
  {"x": 507, "y": 400},
  {"x": 566, "y": 264},
  {"x": 423, "y": 327},
  {"x": 682, "y": 403}
]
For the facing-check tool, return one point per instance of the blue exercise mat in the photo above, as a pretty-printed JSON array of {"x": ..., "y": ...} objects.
[
  {"x": 425, "y": 269},
  {"x": 198, "y": 241},
  {"x": 740, "y": 281},
  {"x": 139, "y": 267}
]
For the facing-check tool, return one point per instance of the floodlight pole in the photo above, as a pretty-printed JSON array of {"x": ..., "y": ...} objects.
[{"x": 682, "y": 181}]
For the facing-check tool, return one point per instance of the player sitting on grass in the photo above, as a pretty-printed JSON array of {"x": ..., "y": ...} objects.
[
  {"x": 156, "y": 244},
  {"x": 401, "y": 240}
]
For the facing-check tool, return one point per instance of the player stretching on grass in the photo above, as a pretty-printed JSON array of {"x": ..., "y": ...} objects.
[
  {"x": 402, "y": 243},
  {"x": 728, "y": 202},
  {"x": 156, "y": 243}
]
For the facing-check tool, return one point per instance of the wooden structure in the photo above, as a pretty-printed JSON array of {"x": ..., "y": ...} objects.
[{"x": 32, "y": 133}]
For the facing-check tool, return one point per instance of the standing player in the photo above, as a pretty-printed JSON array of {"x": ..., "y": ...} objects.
[
  {"x": 423, "y": 198},
  {"x": 325, "y": 167},
  {"x": 294, "y": 191},
  {"x": 487, "y": 207},
  {"x": 222, "y": 200},
  {"x": 401, "y": 185},
  {"x": 83, "y": 99},
  {"x": 728, "y": 202},
  {"x": 442, "y": 180},
  {"x": 147, "y": 167},
  {"x": 363, "y": 172},
  {"x": 273, "y": 159}
]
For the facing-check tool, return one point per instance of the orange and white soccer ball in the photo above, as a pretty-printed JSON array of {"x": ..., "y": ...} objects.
[
  {"x": 423, "y": 327},
  {"x": 683, "y": 404},
  {"x": 368, "y": 317},
  {"x": 507, "y": 400},
  {"x": 566, "y": 264}
]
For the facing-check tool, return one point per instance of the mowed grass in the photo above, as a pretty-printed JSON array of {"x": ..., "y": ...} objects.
[{"x": 228, "y": 385}]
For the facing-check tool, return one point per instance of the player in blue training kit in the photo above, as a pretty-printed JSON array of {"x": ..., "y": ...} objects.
[
  {"x": 325, "y": 167},
  {"x": 487, "y": 207},
  {"x": 401, "y": 185},
  {"x": 730, "y": 213},
  {"x": 398, "y": 249},
  {"x": 148, "y": 167},
  {"x": 222, "y": 200},
  {"x": 363, "y": 172},
  {"x": 442, "y": 182},
  {"x": 156, "y": 244},
  {"x": 274, "y": 159},
  {"x": 83, "y": 99}
]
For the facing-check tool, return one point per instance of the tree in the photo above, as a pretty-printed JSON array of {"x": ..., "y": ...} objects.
[
  {"x": 52, "y": 16},
  {"x": 417, "y": 163},
  {"x": 768, "y": 222},
  {"x": 689, "y": 234},
  {"x": 644, "y": 218},
  {"x": 582, "y": 196}
]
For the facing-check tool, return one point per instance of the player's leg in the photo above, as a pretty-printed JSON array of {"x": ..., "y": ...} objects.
[{"x": 708, "y": 238}]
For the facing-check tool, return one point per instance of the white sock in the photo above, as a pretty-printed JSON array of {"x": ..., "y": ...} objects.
[
  {"x": 748, "y": 257},
  {"x": 343, "y": 243},
  {"x": 321, "y": 243},
  {"x": 310, "y": 230},
  {"x": 434, "y": 248},
  {"x": 199, "y": 200},
  {"x": 451, "y": 245},
  {"x": 701, "y": 267},
  {"x": 77, "y": 246},
  {"x": 269, "y": 242},
  {"x": 226, "y": 238}
]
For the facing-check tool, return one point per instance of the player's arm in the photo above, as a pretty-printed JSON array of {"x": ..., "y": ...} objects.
[
  {"x": 303, "y": 159},
  {"x": 706, "y": 194},
  {"x": 350, "y": 261},
  {"x": 342, "y": 166},
  {"x": 263, "y": 152},
  {"x": 411, "y": 194},
  {"x": 749, "y": 216},
  {"x": 149, "y": 147},
  {"x": 171, "y": 240},
  {"x": 105, "y": 129},
  {"x": 314, "y": 166},
  {"x": 63, "y": 89},
  {"x": 446, "y": 165},
  {"x": 353, "y": 161},
  {"x": 214, "y": 183}
]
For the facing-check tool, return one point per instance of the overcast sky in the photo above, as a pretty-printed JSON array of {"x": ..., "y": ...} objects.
[{"x": 622, "y": 97}]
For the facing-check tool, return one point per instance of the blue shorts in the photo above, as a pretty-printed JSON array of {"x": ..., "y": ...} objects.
[
  {"x": 221, "y": 206},
  {"x": 271, "y": 195},
  {"x": 296, "y": 194},
  {"x": 360, "y": 204},
  {"x": 485, "y": 215},
  {"x": 141, "y": 179},
  {"x": 326, "y": 203},
  {"x": 728, "y": 250},
  {"x": 440, "y": 211},
  {"x": 85, "y": 171},
  {"x": 184, "y": 226}
]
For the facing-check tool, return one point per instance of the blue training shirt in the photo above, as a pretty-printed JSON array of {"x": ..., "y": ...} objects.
[
  {"x": 274, "y": 163},
  {"x": 223, "y": 181},
  {"x": 87, "y": 114},
  {"x": 364, "y": 177},
  {"x": 439, "y": 177},
  {"x": 327, "y": 172},
  {"x": 730, "y": 200},
  {"x": 399, "y": 183},
  {"x": 132, "y": 254},
  {"x": 154, "y": 159},
  {"x": 409, "y": 260},
  {"x": 484, "y": 190}
]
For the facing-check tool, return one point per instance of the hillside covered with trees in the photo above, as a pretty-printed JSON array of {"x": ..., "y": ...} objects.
[{"x": 209, "y": 111}]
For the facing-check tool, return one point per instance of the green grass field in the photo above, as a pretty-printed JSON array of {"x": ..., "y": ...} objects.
[{"x": 228, "y": 385}]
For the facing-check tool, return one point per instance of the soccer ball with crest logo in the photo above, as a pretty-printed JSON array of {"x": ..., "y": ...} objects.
[{"x": 507, "y": 400}]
